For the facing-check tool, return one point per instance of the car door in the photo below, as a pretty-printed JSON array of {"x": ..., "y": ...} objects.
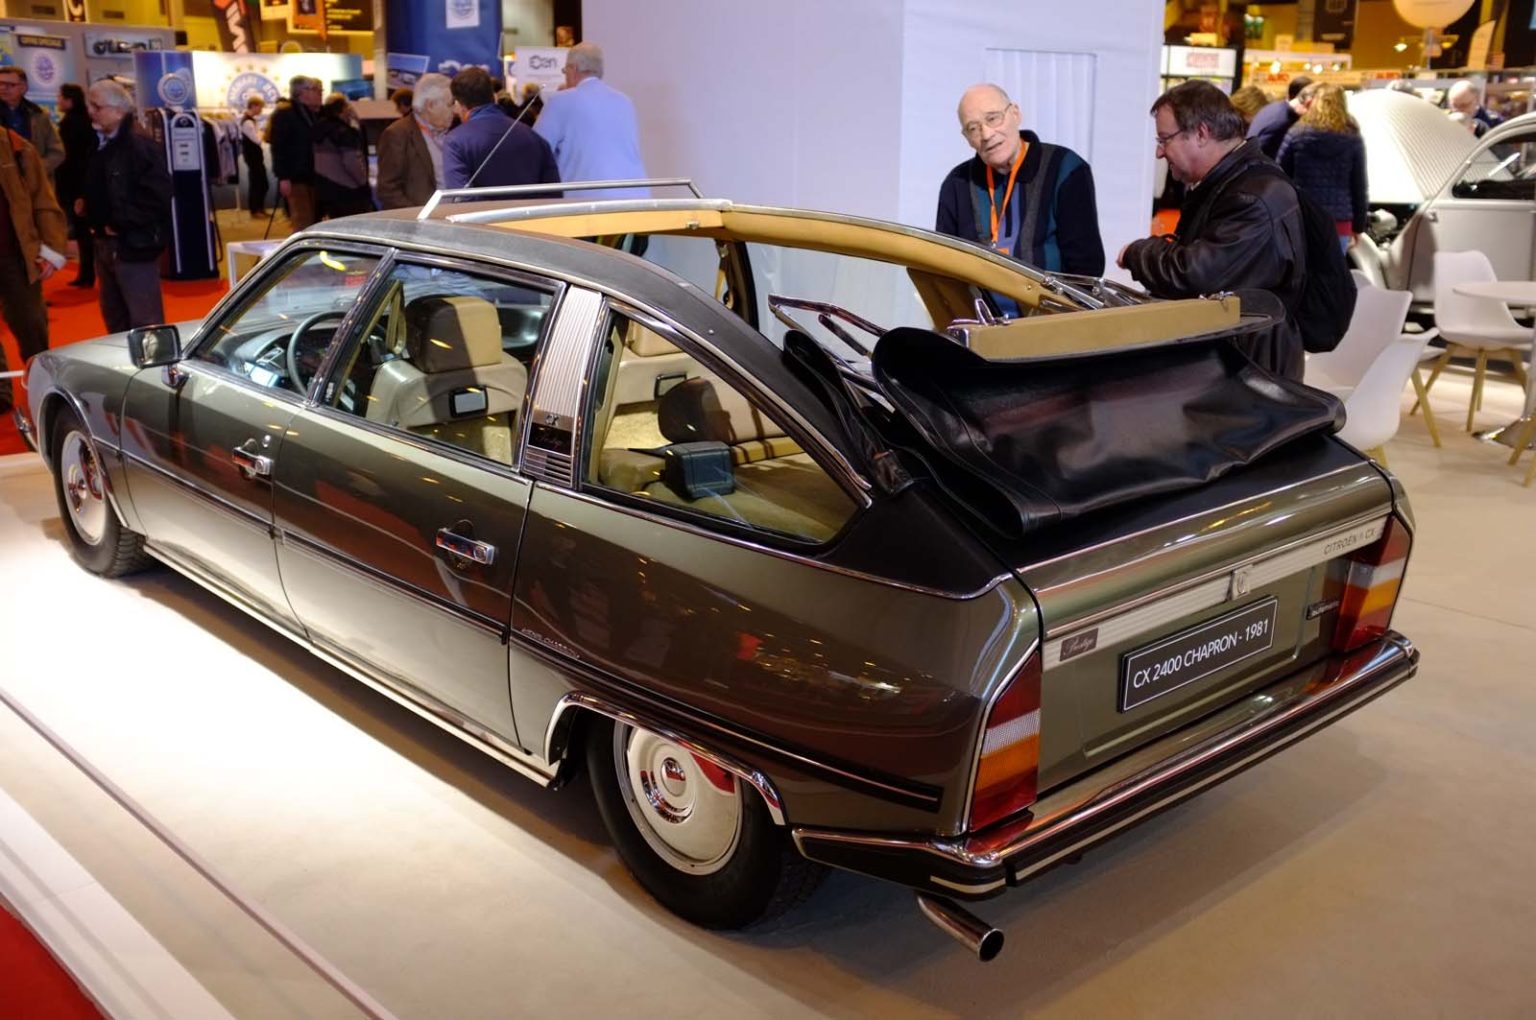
[
  {"x": 398, "y": 505},
  {"x": 201, "y": 437},
  {"x": 1489, "y": 207}
]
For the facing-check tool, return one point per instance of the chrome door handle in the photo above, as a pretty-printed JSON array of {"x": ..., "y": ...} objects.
[
  {"x": 251, "y": 463},
  {"x": 483, "y": 553}
]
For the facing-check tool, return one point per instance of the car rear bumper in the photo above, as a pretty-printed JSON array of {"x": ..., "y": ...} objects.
[{"x": 1108, "y": 800}]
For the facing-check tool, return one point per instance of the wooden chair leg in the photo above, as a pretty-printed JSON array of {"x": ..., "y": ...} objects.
[
  {"x": 1423, "y": 401},
  {"x": 1515, "y": 365},
  {"x": 1378, "y": 454},
  {"x": 1522, "y": 440},
  {"x": 1477, "y": 387},
  {"x": 1434, "y": 374}
]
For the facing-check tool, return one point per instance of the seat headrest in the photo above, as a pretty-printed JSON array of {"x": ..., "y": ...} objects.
[
  {"x": 647, "y": 343},
  {"x": 447, "y": 334},
  {"x": 697, "y": 410}
]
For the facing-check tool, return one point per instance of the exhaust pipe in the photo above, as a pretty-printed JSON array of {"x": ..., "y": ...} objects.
[{"x": 961, "y": 925}]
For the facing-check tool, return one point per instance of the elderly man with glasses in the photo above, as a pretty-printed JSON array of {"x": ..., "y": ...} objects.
[
  {"x": 1018, "y": 195},
  {"x": 1240, "y": 227}
]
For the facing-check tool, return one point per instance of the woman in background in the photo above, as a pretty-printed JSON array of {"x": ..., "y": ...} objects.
[
  {"x": 1325, "y": 157},
  {"x": 1249, "y": 100},
  {"x": 341, "y": 163},
  {"x": 79, "y": 145}
]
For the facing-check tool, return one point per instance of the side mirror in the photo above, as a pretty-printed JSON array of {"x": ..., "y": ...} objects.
[{"x": 150, "y": 346}]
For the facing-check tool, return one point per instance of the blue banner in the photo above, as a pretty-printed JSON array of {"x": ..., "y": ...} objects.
[
  {"x": 450, "y": 34},
  {"x": 164, "y": 79}
]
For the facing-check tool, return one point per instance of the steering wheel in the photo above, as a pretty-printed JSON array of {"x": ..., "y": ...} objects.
[{"x": 299, "y": 382}]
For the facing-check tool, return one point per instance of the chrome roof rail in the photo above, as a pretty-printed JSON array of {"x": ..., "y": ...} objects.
[
  {"x": 515, "y": 190},
  {"x": 512, "y": 214}
]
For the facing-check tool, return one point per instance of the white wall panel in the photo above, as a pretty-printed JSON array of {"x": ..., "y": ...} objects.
[
  {"x": 1054, "y": 92},
  {"x": 851, "y": 105}
]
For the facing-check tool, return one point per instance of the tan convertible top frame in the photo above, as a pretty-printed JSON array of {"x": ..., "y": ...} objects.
[{"x": 944, "y": 270}]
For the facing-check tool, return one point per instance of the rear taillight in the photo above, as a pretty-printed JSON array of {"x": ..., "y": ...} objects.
[
  {"x": 1373, "y": 576},
  {"x": 1008, "y": 769}
]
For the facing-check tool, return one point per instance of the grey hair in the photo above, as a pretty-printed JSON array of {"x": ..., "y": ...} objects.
[
  {"x": 109, "y": 93},
  {"x": 587, "y": 58},
  {"x": 1459, "y": 87},
  {"x": 429, "y": 87},
  {"x": 298, "y": 83}
]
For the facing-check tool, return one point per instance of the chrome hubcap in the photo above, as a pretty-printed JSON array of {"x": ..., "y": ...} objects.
[
  {"x": 83, "y": 491},
  {"x": 691, "y": 818}
]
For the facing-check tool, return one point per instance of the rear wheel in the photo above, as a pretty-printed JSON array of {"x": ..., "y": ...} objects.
[
  {"x": 96, "y": 540},
  {"x": 693, "y": 835}
]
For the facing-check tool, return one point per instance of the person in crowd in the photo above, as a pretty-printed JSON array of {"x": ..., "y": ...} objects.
[
  {"x": 256, "y": 183},
  {"x": 1240, "y": 226},
  {"x": 27, "y": 119},
  {"x": 489, "y": 148},
  {"x": 404, "y": 100},
  {"x": 33, "y": 237},
  {"x": 293, "y": 149},
  {"x": 1018, "y": 195},
  {"x": 1249, "y": 100},
  {"x": 1268, "y": 127},
  {"x": 565, "y": 35},
  {"x": 127, "y": 203},
  {"x": 591, "y": 127},
  {"x": 80, "y": 143},
  {"x": 1463, "y": 99},
  {"x": 411, "y": 149},
  {"x": 1325, "y": 157},
  {"x": 341, "y": 161}
]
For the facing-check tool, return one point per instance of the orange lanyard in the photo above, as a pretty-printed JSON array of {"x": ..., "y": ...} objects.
[{"x": 998, "y": 214}]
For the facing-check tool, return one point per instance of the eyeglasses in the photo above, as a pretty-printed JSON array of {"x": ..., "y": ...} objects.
[
  {"x": 1163, "y": 140},
  {"x": 991, "y": 121}
]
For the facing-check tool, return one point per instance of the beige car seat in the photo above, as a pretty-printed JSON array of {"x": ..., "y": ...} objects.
[
  {"x": 454, "y": 383},
  {"x": 646, "y": 358}
]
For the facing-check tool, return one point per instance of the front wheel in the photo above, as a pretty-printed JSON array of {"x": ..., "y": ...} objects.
[
  {"x": 691, "y": 833},
  {"x": 96, "y": 540}
]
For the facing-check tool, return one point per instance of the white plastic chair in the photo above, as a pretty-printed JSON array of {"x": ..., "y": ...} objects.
[
  {"x": 1480, "y": 328},
  {"x": 1373, "y": 401}
]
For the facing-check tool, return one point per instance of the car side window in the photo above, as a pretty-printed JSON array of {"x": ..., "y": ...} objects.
[
  {"x": 279, "y": 334},
  {"x": 1506, "y": 170},
  {"x": 665, "y": 429},
  {"x": 445, "y": 356}
]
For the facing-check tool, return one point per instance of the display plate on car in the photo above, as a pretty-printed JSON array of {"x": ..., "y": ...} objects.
[{"x": 1173, "y": 662}]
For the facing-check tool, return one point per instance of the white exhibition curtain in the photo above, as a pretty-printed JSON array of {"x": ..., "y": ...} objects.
[{"x": 1054, "y": 92}]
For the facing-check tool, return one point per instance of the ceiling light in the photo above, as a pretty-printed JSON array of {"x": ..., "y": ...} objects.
[{"x": 1399, "y": 46}]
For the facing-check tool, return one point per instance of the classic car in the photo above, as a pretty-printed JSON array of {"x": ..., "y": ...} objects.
[
  {"x": 765, "y": 520},
  {"x": 1433, "y": 187}
]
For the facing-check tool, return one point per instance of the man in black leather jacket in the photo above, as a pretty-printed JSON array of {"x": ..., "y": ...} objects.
[
  {"x": 1240, "y": 227},
  {"x": 127, "y": 202}
]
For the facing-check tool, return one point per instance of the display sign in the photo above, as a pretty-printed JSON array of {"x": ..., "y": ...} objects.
[
  {"x": 545, "y": 66},
  {"x": 446, "y": 34},
  {"x": 1431, "y": 13},
  {"x": 1196, "y": 62},
  {"x": 225, "y": 81},
  {"x": 237, "y": 29},
  {"x": 46, "y": 60},
  {"x": 306, "y": 16},
  {"x": 274, "y": 10},
  {"x": 74, "y": 11},
  {"x": 347, "y": 17},
  {"x": 405, "y": 69},
  {"x": 1333, "y": 21},
  {"x": 164, "y": 79}
]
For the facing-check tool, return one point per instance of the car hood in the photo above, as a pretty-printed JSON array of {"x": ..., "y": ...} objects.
[{"x": 1411, "y": 147}]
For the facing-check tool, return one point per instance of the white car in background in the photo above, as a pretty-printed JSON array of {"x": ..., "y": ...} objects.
[{"x": 1434, "y": 187}]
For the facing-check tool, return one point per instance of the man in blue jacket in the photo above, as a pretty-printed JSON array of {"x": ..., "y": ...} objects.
[
  {"x": 1018, "y": 195},
  {"x": 489, "y": 148}
]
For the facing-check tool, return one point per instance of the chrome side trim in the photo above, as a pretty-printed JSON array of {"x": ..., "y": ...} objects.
[
  {"x": 380, "y": 579},
  {"x": 592, "y": 703},
  {"x": 419, "y": 702},
  {"x": 1212, "y": 588},
  {"x": 783, "y": 554},
  {"x": 214, "y": 501}
]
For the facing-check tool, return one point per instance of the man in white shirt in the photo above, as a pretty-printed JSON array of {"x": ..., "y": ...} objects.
[{"x": 591, "y": 126}]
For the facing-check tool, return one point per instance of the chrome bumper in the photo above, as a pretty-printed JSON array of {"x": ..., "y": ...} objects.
[{"x": 1108, "y": 800}]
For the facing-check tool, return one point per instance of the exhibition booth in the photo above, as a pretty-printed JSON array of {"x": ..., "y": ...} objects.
[{"x": 201, "y": 819}]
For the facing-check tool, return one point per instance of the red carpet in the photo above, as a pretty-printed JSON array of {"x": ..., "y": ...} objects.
[
  {"x": 74, "y": 314},
  {"x": 32, "y": 984}
]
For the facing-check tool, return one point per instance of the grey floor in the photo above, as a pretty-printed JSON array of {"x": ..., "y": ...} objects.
[{"x": 1377, "y": 870}]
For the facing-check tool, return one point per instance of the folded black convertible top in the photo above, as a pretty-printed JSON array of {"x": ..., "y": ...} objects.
[{"x": 1026, "y": 444}]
